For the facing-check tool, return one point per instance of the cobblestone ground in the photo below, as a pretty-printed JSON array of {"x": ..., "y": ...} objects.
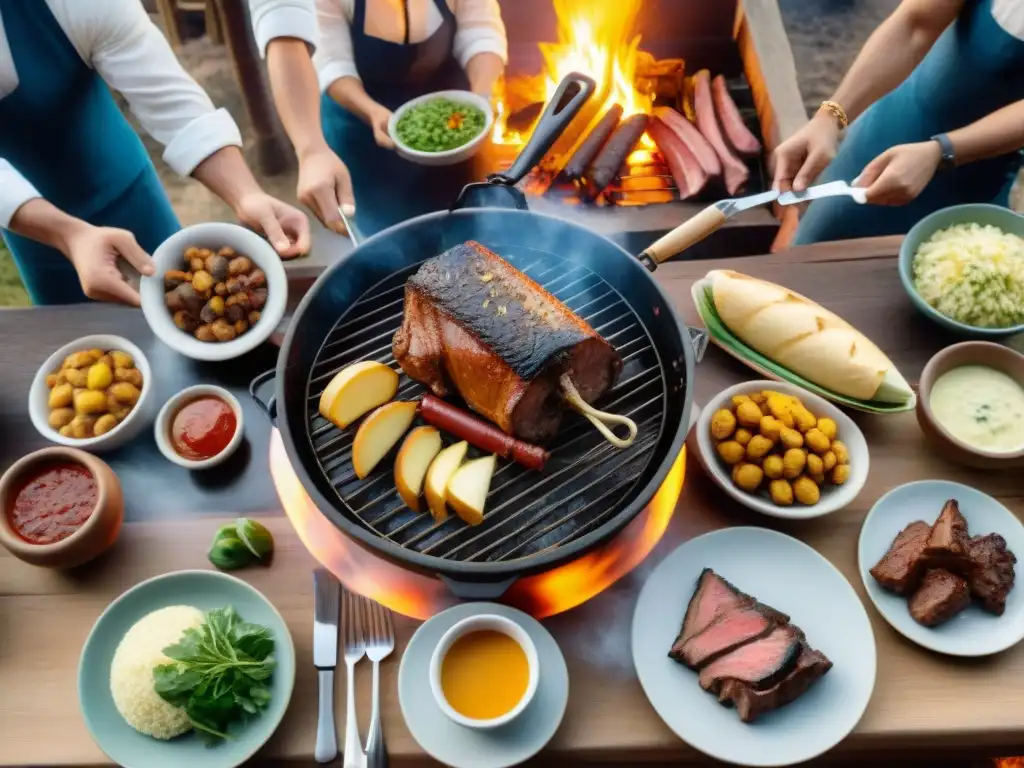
[{"x": 825, "y": 36}]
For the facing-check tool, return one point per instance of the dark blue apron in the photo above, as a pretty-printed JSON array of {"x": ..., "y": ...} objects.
[
  {"x": 974, "y": 68},
  {"x": 388, "y": 188},
  {"x": 63, "y": 131}
]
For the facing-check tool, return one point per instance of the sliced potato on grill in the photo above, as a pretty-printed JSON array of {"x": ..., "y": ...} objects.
[
  {"x": 441, "y": 470},
  {"x": 414, "y": 459},
  {"x": 357, "y": 389},
  {"x": 468, "y": 487},
  {"x": 379, "y": 433}
]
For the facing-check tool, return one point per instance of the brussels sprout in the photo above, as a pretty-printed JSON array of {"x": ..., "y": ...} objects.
[
  {"x": 228, "y": 552},
  {"x": 256, "y": 537}
]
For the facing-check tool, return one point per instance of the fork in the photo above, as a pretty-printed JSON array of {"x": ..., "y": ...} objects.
[
  {"x": 380, "y": 642},
  {"x": 354, "y": 651}
]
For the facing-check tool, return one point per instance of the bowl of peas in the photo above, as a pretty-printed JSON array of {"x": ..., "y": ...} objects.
[{"x": 441, "y": 128}]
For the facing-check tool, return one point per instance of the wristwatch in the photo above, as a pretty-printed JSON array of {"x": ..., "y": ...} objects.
[{"x": 948, "y": 160}]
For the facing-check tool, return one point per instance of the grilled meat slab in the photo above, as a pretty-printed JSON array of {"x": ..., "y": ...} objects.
[
  {"x": 941, "y": 596},
  {"x": 900, "y": 568},
  {"x": 712, "y": 597},
  {"x": 992, "y": 571},
  {"x": 811, "y": 665},
  {"x": 947, "y": 542},
  {"x": 761, "y": 663},
  {"x": 477, "y": 326},
  {"x": 726, "y": 633}
]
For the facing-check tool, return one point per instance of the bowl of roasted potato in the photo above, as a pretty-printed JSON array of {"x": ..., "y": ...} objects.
[
  {"x": 219, "y": 291},
  {"x": 781, "y": 450},
  {"x": 94, "y": 393}
]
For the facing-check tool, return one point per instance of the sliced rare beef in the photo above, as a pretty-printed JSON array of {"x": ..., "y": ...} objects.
[
  {"x": 947, "y": 541},
  {"x": 900, "y": 567},
  {"x": 992, "y": 571},
  {"x": 750, "y": 703},
  {"x": 941, "y": 596},
  {"x": 726, "y": 633},
  {"x": 712, "y": 597},
  {"x": 761, "y": 663}
]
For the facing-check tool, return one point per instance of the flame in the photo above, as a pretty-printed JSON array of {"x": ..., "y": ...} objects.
[
  {"x": 593, "y": 38},
  {"x": 419, "y": 596}
]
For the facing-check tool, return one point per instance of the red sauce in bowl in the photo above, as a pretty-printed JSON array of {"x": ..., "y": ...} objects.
[
  {"x": 53, "y": 503},
  {"x": 202, "y": 428}
]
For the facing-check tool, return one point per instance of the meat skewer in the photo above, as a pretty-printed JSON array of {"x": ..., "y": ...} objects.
[
  {"x": 688, "y": 173},
  {"x": 614, "y": 153},
  {"x": 587, "y": 151},
  {"x": 739, "y": 136},
  {"x": 736, "y": 173},
  {"x": 694, "y": 140},
  {"x": 476, "y": 326}
]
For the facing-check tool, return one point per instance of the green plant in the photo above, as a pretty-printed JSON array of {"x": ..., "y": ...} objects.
[{"x": 12, "y": 292}]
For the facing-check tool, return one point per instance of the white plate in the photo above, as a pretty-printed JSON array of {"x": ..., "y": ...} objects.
[
  {"x": 462, "y": 747},
  {"x": 449, "y": 156},
  {"x": 833, "y": 497},
  {"x": 972, "y": 632},
  {"x": 791, "y": 577},
  {"x": 214, "y": 235}
]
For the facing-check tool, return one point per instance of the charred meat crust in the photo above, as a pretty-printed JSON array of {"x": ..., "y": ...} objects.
[
  {"x": 750, "y": 703},
  {"x": 992, "y": 572},
  {"x": 508, "y": 312},
  {"x": 947, "y": 542}
]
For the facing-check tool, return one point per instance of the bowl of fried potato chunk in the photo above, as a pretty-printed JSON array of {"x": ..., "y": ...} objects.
[
  {"x": 93, "y": 393},
  {"x": 782, "y": 450}
]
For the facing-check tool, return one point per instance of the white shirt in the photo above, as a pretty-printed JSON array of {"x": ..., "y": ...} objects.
[
  {"x": 118, "y": 40},
  {"x": 479, "y": 30},
  {"x": 282, "y": 18}
]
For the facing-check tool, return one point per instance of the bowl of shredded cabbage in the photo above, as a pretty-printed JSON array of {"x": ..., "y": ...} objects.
[
  {"x": 441, "y": 128},
  {"x": 964, "y": 267}
]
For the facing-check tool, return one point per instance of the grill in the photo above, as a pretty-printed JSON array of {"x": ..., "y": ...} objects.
[{"x": 585, "y": 480}]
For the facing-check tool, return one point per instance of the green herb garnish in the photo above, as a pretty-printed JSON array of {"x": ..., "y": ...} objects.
[
  {"x": 439, "y": 125},
  {"x": 239, "y": 544},
  {"x": 220, "y": 673}
]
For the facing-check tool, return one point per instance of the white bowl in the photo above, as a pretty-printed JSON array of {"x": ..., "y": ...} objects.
[
  {"x": 129, "y": 428},
  {"x": 161, "y": 430},
  {"x": 494, "y": 623},
  {"x": 833, "y": 497},
  {"x": 450, "y": 156},
  {"x": 214, "y": 235}
]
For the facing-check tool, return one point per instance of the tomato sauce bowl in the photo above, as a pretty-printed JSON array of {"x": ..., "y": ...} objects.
[
  {"x": 59, "y": 508},
  {"x": 199, "y": 427}
]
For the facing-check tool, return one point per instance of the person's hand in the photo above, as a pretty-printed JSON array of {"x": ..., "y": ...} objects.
[
  {"x": 378, "y": 118},
  {"x": 94, "y": 252},
  {"x": 806, "y": 153},
  {"x": 899, "y": 174},
  {"x": 325, "y": 186},
  {"x": 286, "y": 228}
]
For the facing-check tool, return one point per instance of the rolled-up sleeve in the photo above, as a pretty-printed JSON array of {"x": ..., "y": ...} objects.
[
  {"x": 15, "y": 191},
  {"x": 480, "y": 29},
  {"x": 117, "y": 38},
  {"x": 272, "y": 19},
  {"x": 334, "y": 57}
]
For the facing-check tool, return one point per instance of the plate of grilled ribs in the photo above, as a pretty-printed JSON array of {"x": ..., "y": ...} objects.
[
  {"x": 937, "y": 559},
  {"x": 753, "y": 648}
]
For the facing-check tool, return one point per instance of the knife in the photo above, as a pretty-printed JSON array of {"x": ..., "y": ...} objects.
[
  {"x": 326, "y": 609},
  {"x": 831, "y": 189},
  {"x": 703, "y": 224}
]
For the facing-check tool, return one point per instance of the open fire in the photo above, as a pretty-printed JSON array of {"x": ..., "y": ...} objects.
[{"x": 609, "y": 154}]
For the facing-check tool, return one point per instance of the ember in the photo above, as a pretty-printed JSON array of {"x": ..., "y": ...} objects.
[{"x": 620, "y": 150}]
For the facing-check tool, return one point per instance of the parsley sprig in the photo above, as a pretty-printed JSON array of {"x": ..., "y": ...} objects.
[{"x": 220, "y": 673}]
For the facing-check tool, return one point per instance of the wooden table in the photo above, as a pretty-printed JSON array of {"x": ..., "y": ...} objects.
[{"x": 923, "y": 703}]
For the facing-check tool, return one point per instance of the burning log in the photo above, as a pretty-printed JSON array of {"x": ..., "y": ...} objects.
[
  {"x": 522, "y": 120},
  {"x": 614, "y": 153},
  {"x": 596, "y": 139}
]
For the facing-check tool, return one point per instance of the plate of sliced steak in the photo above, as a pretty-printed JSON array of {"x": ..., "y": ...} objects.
[
  {"x": 937, "y": 560},
  {"x": 753, "y": 648}
]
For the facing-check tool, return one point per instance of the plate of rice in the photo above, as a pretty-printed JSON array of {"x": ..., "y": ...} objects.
[
  {"x": 143, "y": 667},
  {"x": 964, "y": 267}
]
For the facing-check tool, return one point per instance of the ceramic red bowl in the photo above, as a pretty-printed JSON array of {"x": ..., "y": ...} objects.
[{"x": 985, "y": 353}]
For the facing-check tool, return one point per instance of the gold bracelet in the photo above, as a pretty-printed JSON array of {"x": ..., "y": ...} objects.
[{"x": 836, "y": 110}]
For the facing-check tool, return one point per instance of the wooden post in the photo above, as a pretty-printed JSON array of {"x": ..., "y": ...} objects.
[
  {"x": 169, "y": 15},
  {"x": 273, "y": 154}
]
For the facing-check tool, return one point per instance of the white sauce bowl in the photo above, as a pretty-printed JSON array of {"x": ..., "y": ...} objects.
[{"x": 482, "y": 623}]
